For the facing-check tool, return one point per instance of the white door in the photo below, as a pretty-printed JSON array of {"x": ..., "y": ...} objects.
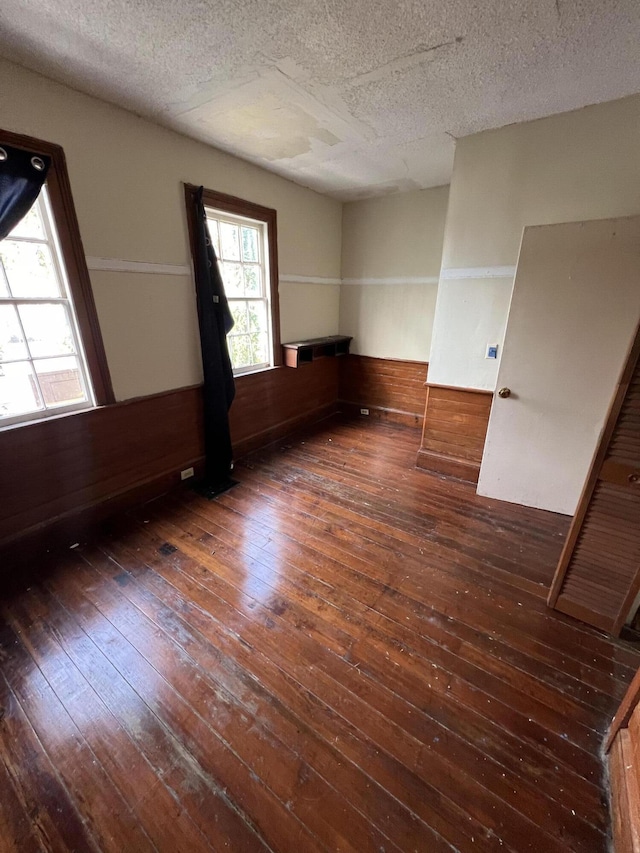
[{"x": 574, "y": 309}]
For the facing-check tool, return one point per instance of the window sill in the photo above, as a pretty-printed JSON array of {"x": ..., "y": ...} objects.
[
  {"x": 237, "y": 376},
  {"x": 43, "y": 420}
]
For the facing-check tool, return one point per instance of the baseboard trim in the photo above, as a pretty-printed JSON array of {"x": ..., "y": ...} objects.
[
  {"x": 382, "y": 413},
  {"x": 450, "y": 466}
]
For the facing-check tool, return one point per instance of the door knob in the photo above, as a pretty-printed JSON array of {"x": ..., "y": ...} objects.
[
  {"x": 634, "y": 478},
  {"x": 504, "y": 392}
]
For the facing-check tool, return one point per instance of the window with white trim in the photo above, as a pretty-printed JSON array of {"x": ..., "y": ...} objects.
[
  {"x": 242, "y": 249},
  {"x": 43, "y": 369}
]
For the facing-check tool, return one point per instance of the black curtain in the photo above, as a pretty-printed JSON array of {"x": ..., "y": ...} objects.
[
  {"x": 215, "y": 323},
  {"x": 22, "y": 176}
]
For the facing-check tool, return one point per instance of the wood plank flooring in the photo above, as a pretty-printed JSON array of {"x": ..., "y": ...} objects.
[{"x": 342, "y": 653}]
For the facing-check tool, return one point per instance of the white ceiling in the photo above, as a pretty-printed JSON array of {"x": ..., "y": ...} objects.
[{"x": 351, "y": 97}]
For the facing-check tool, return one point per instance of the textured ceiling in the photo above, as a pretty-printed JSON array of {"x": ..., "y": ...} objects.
[{"x": 351, "y": 97}]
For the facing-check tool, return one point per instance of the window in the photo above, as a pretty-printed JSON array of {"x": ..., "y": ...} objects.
[
  {"x": 242, "y": 249},
  {"x": 244, "y": 238},
  {"x": 51, "y": 355},
  {"x": 42, "y": 366}
]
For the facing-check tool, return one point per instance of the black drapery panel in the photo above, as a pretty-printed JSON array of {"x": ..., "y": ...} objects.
[
  {"x": 22, "y": 176},
  {"x": 215, "y": 323}
]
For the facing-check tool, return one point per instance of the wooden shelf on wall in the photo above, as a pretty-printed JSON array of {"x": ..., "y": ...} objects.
[{"x": 298, "y": 353}]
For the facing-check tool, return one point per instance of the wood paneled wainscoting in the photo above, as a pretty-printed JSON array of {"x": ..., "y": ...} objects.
[
  {"x": 271, "y": 403},
  {"x": 59, "y": 477},
  {"x": 65, "y": 472},
  {"x": 455, "y": 427},
  {"x": 392, "y": 389}
]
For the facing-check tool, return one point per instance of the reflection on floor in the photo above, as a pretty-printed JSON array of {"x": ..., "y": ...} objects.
[{"x": 341, "y": 653}]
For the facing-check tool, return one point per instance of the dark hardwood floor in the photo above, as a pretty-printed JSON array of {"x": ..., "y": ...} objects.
[{"x": 342, "y": 653}]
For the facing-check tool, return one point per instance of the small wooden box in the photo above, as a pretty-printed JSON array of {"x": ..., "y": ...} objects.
[{"x": 298, "y": 353}]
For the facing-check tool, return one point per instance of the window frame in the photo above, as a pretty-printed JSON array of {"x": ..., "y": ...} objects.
[
  {"x": 260, "y": 226},
  {"x": 69, "y": 243},
  {"x": 64, "y": 299},
  {"x": 248, "y": 210}
]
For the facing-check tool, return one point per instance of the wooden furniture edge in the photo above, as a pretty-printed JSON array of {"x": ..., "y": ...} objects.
[
  {"x": 624, "y": 712},
  {"x": 619, "y": 770}
]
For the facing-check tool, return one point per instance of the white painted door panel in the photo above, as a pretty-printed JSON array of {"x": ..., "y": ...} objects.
[{"x": 574, "y": 309}]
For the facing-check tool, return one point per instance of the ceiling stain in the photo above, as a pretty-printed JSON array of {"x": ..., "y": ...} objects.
[
  {"x": 273, "y": 129},
  {"x": 342, "y": 97}
]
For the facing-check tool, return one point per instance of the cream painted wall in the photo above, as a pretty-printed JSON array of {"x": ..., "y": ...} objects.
[
  {"x": 308, "y": 310},
  {"x": 150, "y": 331},
  {"x": 394, "y": 235},
  {"x": 126, "y": 175},
  {"x": 574, "y": 166},
  {"x": 388, "y": 321},
  {"x": 391, "y": 254}
]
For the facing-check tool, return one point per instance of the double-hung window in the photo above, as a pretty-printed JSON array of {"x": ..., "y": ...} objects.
[
  {"x": 42, "y": 363},
  {"x": 244, "y": 236},
  {"x": 241, "y": 246},
  {"x": 51, "y": 355}
]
